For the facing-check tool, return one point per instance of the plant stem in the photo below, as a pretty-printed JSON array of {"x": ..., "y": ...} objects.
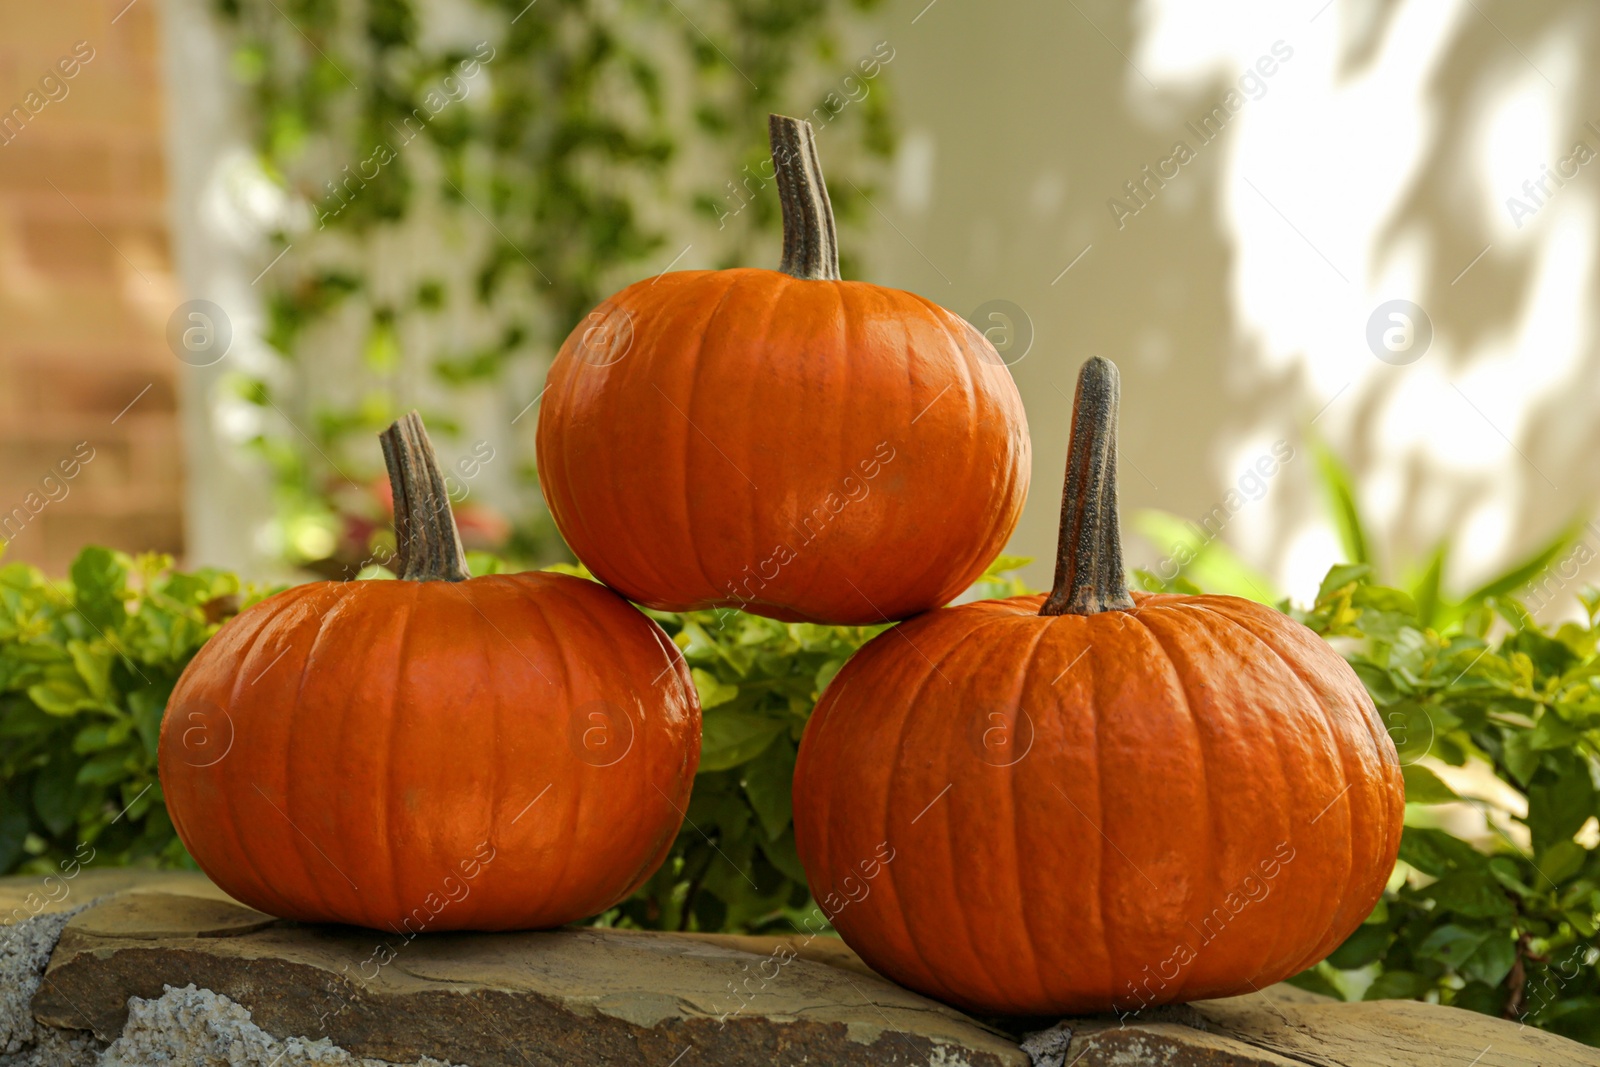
[
  {"x": 810, "y": 244},
  {"x": 1089, "y": 576},
  {"x": 424, "y": 528}
]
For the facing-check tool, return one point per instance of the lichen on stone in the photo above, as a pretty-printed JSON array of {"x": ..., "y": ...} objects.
[
  {"x": 198, "y": 1028},
  {"x": 1048, "y": 1048},
  {"x": 25, "y": 949}
]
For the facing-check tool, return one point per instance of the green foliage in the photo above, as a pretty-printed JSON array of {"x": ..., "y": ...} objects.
[
  {"x": 734, "y": 865},
  {"x": 459, "y": 187},
  {"x": 86, "y": 667},
  {"x": 1197, "y": 558},
  {"x": 1340, "y": 490},
  {"x": 1496, "y": 900},
  {"x": 1494, "y": 905}
]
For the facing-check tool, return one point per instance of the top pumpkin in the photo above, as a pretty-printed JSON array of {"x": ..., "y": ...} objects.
[{"x": 784, "y": 442}]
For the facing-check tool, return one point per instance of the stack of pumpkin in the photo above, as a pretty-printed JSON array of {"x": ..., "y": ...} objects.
[{"x": 1035, "y": 805}]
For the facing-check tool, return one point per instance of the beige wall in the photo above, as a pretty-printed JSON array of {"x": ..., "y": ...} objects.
[{"x": 1375, "y": 164}]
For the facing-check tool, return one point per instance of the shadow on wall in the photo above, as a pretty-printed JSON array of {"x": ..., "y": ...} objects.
[{"x": 1229, "y": 203}]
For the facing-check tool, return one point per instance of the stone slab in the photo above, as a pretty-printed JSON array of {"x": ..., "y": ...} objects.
[
  {"x": 1387, "y": 1033},
  {"x": 27, "y": 896},
  {"x": 530, "y": 999},
  {"x": 145, "y": 964}
]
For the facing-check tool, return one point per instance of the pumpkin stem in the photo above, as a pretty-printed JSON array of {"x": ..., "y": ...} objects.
[
  {"x": 810, "y": 245},
  {"x": 424, "y": 528},
  {"x": 1089, "y": 576}
]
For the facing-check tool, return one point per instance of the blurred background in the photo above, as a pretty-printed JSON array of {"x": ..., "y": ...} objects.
[
  {"x": 1329, "y": 242},
  {"x": 1342, "y": 250}
]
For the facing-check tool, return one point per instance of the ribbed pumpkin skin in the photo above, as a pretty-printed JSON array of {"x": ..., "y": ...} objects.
[
  {"x": 724, "y": 459},
  {"x": 1206, "y": 753},
  {"x": 402, "y": 737}
]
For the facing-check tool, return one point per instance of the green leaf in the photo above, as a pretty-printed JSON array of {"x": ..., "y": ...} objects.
[
  {"x": 1341, "y": 575},
  {"x": 1382, "y": 687},
  {"x": 57, "y": 796},
  {"x": 1556, "y": 809},
  {"x": 1341, "y": 494},
  {"x": 1362, "y": 947},
  {"x": 147, "y": 704},
  {"x": 767, "y": 781},
  {"x": 104, "y": 769},
  {"x": 1505, "y": 872},
  {"x": 1411, "y": 728},
  {"x": 1553, "y": 732},
  {"x": 139, "y": 798},
  {"x": 98, "y": 736},
  {"x": 729, "y": 738},
  {"x": 94, "y": 667},
  {"x": 1561, "y": 861},
  {"x": 1520, "y": 757},
  {"x": 99, "y": 582},
  {"x": 826, "y": 673},
  {"x": 1452, "y": 944},
  {"x": 712, "y": 690},
  {"x": 13, "y": 834},
  {"x": 1473, "y": 895},
  {"x": 1493, "y": 960},
  {"x": 1426, "y": 590},
  {"x": 1397, "y": 985},
  {"x": 1436, "y": 853},
  {"x": 63, "y": 696},
  {"x": 782, "y": 855},
  {"x": 1549, "y": 656},
  {"x": 1425, "y": 787},
  {"x": 1520, "y": 574},
  {"x": 1587, "y": 925}
]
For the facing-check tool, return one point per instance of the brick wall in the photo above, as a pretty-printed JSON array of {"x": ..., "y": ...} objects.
[{"x": 86, "y": 285}]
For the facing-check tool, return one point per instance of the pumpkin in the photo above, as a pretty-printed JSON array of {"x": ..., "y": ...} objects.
[
  {"x": 1096, "y": 800},
  {"x": 440, "y": 752},
  {"x": 783, "y": 442}
]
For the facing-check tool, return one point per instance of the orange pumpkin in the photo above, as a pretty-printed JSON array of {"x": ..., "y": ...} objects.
[
  {"x": 436, "y": 753},
  {"x": 784, "y": 442},
  {"x": 1096, "y": 801}
]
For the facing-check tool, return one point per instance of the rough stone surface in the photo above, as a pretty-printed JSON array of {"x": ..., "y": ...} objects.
[
  {"x": 198, "y": 1028},
  {"x": 156, "y": 916},
  {"x": 165, "y": 969},
  {"x": 1048, "y": 1048},
  {"x": 25, "y": 949},
  {"x": 27, "y": 896},
  {"x": 1101, "y": 1044},
  {"x": 1386, "y": 1033},
  {"x": 558, "y": 997},
  {"x": 1287, "y": 1027}
]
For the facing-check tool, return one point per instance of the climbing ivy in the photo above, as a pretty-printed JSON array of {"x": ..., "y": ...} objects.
[{"x": 459, "y": 182}]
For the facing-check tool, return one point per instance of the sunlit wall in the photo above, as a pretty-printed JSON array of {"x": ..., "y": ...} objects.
[{"x": 1228, "y": 200}]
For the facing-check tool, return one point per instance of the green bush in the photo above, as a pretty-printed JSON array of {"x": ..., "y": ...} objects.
[
  {"x": 734, "y": 866},
  {"x": 1502, "y": 922},
  {"x": 1507, "y": 927},
  {"x": 86, "y": 667}
]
